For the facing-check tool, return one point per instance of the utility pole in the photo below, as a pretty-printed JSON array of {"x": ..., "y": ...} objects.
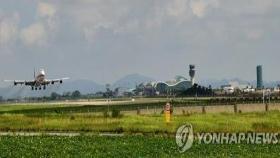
[
  {"x": 266, "y": 93},
  {"x": 263, "y": 95}
]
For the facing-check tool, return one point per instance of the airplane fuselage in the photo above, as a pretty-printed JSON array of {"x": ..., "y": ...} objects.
[{"x": 40, "y": 79}]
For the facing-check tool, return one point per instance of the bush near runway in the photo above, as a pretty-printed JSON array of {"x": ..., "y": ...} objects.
[{"x": 128, "y": 146}]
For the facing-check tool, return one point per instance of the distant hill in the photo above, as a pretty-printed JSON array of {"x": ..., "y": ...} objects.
[
  {"x": 23, "y": 91},
  {"x": 131, "y": 80},
  {"x": 88, "y": 86},
  {"x": 84, "y": 86}
]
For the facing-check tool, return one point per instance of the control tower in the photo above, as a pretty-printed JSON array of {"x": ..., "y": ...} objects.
[
  {"x": 259, "y": 77},
  {"x": 192, "y": 73}
]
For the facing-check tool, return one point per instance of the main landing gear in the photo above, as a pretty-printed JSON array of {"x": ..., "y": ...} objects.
[{"x": 38, "y": 88}]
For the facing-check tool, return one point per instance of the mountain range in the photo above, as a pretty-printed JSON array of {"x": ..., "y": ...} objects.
[
  {"x": 84, "y": 86},
  {"x": 126, "y": 82}
]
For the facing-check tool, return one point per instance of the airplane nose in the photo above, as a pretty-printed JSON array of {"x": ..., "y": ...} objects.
[{"x": 42, "y": 72}]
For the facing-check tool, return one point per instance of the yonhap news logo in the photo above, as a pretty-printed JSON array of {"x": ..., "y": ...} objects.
[{"x": 185, "y": 137}]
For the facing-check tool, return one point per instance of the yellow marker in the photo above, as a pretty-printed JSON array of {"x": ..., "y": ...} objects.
[
  {"x": 167, "y": 113},
  {"x": 167, "y": 116}
]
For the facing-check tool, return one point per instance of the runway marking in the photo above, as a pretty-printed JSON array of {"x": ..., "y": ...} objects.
[
  {"x": 38, "y": 134},
  {"x": 71, "y": 134},
  {"x": 111, "y": 134}
]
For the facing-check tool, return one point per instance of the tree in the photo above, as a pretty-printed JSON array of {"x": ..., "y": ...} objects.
[
  {"x": 1, "y": 98},
  {"x": 67, "y": 94},
  {"x": 116, "y": 113},
  {"x": 197, "y": 90},
  {"x": 76, "y": 94},
  {"x": 54, "y": 96}
]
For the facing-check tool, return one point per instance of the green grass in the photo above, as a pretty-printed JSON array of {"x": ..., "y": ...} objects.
[
  {"x": 95, "y": 105},
  {"x": 122, "y": 104},
  {"x": 129, "y": 146},
  {"x": 92, "y": 122},
  {"x": 156, "y": 138}
]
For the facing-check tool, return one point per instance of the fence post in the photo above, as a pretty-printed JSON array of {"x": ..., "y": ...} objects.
[
  {"x": 235, "y": 108},
  {"x": 266, "y": 107},
  {"x": 138, "y": 111},
  {"x": 203, "y": 110}
]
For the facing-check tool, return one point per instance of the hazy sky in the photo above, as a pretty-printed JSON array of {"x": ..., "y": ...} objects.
[{"x": 103, "y": 40}]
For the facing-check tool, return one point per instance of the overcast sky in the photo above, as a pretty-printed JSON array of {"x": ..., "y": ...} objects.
[{"x": 103, "y": 40}]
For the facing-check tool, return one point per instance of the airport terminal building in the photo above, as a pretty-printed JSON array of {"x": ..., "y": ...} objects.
[
  {"x": 169, "y": 87},
  {"x": 179, "y": 84}
]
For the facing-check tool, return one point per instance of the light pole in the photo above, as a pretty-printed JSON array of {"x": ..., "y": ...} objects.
[
  {"x": 263, "y": 96},
  {"x": 266, "y": 93}
]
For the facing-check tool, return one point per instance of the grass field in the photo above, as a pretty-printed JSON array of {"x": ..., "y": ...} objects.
[
  {"x": 144, "y": 135},
  {"x": 85, "y": 106},
  {"x": 130, "y": 146},
  {"x": 92, "y": 122}
]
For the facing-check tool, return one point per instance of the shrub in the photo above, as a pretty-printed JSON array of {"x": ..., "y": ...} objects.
[
  {"x": 105, "y": 113},
  {"x": 203, "y": 110},
  {"x": 138, "y": 111},
  {"x": 72, "y": 117},
  {"x": 116, "y": 113},
  {"x": 260, "y": 126},
  {"x": 119, "y": 130}
]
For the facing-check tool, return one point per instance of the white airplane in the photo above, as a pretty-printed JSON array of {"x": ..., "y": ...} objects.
[{"x": 39, "y": 82}]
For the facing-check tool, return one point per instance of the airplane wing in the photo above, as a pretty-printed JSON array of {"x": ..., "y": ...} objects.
[
  {"x": 52, "y": 81},
  {"x": 21, "y": 82}
]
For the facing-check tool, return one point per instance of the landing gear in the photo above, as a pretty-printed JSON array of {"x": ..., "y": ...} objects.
[{"x": 38, "y": 88}]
